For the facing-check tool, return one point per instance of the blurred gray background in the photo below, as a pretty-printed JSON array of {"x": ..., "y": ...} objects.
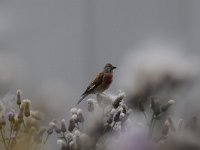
[{"x": 51, "y": 49}]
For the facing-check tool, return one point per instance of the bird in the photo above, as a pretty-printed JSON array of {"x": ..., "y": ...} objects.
[{"x": 101, "y": 82}]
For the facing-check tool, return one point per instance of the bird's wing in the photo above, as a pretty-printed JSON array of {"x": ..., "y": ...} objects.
[{"x": 95, "y": 83}]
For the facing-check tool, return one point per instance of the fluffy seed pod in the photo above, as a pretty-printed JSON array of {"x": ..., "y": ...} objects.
[
  {"x": 37, "y": 115},
  {"x": 121, "y": 116},
  {"x": 172, "y": 126},
  {"x": 42, "y": 131},
  {"x": 90, "y": 105},
  {"x": 124, "y": 107},
  {"x": 57, "y": 129},
  {"x": 20, "y": 116},
  {"x": 192, "y": 124},
  {"x": 71, "y": 125},
  {"x": 69, "y": 136},
  {"x": 11, "y": 116},
  {"x": 39, "y": 135},
  {"x": 63, "y": 127},
  {"x": 75, "y": 118},
  {"x": 73, "y": 111},
  {"x": 19, "y": 97},
  {"x": 72, "y": 145},
  {"x": 180, "y": 125},
  {"x": 140, "y": 105},
  {"x": 116, "y": 117},
  {"x": 62, "y": 144},
  {"x": 51, "y": 127},
  {"x": 31, "y": 122},
  {"x": 117, "y": 101},
  {"x": 165, "y": 107},
  {"x": 155, "y": 105},
  {"x": 26, "y": 107},
  {"x": 110, "y": 119},
  {"x": 166, "y": 127},
  {"x": 80, "y": 117}
]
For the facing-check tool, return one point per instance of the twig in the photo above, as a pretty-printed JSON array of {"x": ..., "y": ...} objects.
[
  {"x": 11, "y": 129},
  {"x": 4, "y": 142}
]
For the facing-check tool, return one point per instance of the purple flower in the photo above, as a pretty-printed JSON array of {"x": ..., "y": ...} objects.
[{"x": 11, "y": 116}]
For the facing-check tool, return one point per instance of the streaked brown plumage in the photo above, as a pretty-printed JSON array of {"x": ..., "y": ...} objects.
[{"x": 100, "y": 83}]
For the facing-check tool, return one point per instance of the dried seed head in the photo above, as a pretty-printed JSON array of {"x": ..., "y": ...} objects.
[
  {"x": 75, "y": 118},
  {"x": 180, "y": 125},
  {"x": 121, "y": 116},
  {"x": 130, "y": 111},
  {"x": 171, "y": 124},
  {"x": 57, "y": 129},
  {"x": 141, "y": 106},
  {"x": 71, "y": 125},
  {"x": 39, "y": 135},
  {"x": 91, "y": 105},
  {"x": 42, "y": 131},
  {"x": 69, "y": 136},
  {"x": 77, "y": 133},
  {"x": 80, "y": 117},
  {"x": 192, "y": 124},
  {"x": 72, "y": 145},
  {"x": 113, "y": 111},
  {"x": 16, "y": 125},
  {"x": 61, "y": 144},
  {"x": 20, "y": 116},
  {"x": 166, "y": 127},
  {"x": 73, "y": 111},
  {"x": 124, "y": 107},
  {"x": 79, "y": 111},
  {"x": 110, "y": 119},
  {"x": 11, "y": 116},
  {"x": 117, "y": 101},
  {"x": 171, "y": 102},
  {"x": 26, "y": 107},
  {"x": 19, "y": 97},
  {"x": 51, "y": 127},
  {"x": 37, "y": 115},
  {"x": 155, "y": 105},
  {"x": 165, "y": 107},
  {"x": 31, "y": 122},
  {"x": 63, "y": 127},
  {"x": 116, "y": 117}
]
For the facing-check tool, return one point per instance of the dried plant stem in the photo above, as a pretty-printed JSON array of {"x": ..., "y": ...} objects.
[
  {"x": 114, "y": 124},
  {"x": 145, "y": 116},
  {"x": 11, "y": 130},
  {"x": 64, "y": 137},
  {"x": 151, "y": 125},
  {"x": 4, "y": 141},
  {"x": 46, "y": 138}
]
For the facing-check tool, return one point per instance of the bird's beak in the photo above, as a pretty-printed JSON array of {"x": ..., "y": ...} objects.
[{"x": 114, "y": 67}]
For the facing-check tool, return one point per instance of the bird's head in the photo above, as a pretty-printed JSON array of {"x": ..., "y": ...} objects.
[{"x": 109, "y": 68}]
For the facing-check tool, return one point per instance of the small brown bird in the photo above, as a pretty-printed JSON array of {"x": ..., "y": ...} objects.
[{"x": 100, "y": 83}]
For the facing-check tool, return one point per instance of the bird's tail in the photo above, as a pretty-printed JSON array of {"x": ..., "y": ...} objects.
[{"x": 82, "y": 97}]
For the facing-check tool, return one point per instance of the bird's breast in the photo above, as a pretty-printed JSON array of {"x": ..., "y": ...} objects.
[{"x": 108, "y": 78}]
